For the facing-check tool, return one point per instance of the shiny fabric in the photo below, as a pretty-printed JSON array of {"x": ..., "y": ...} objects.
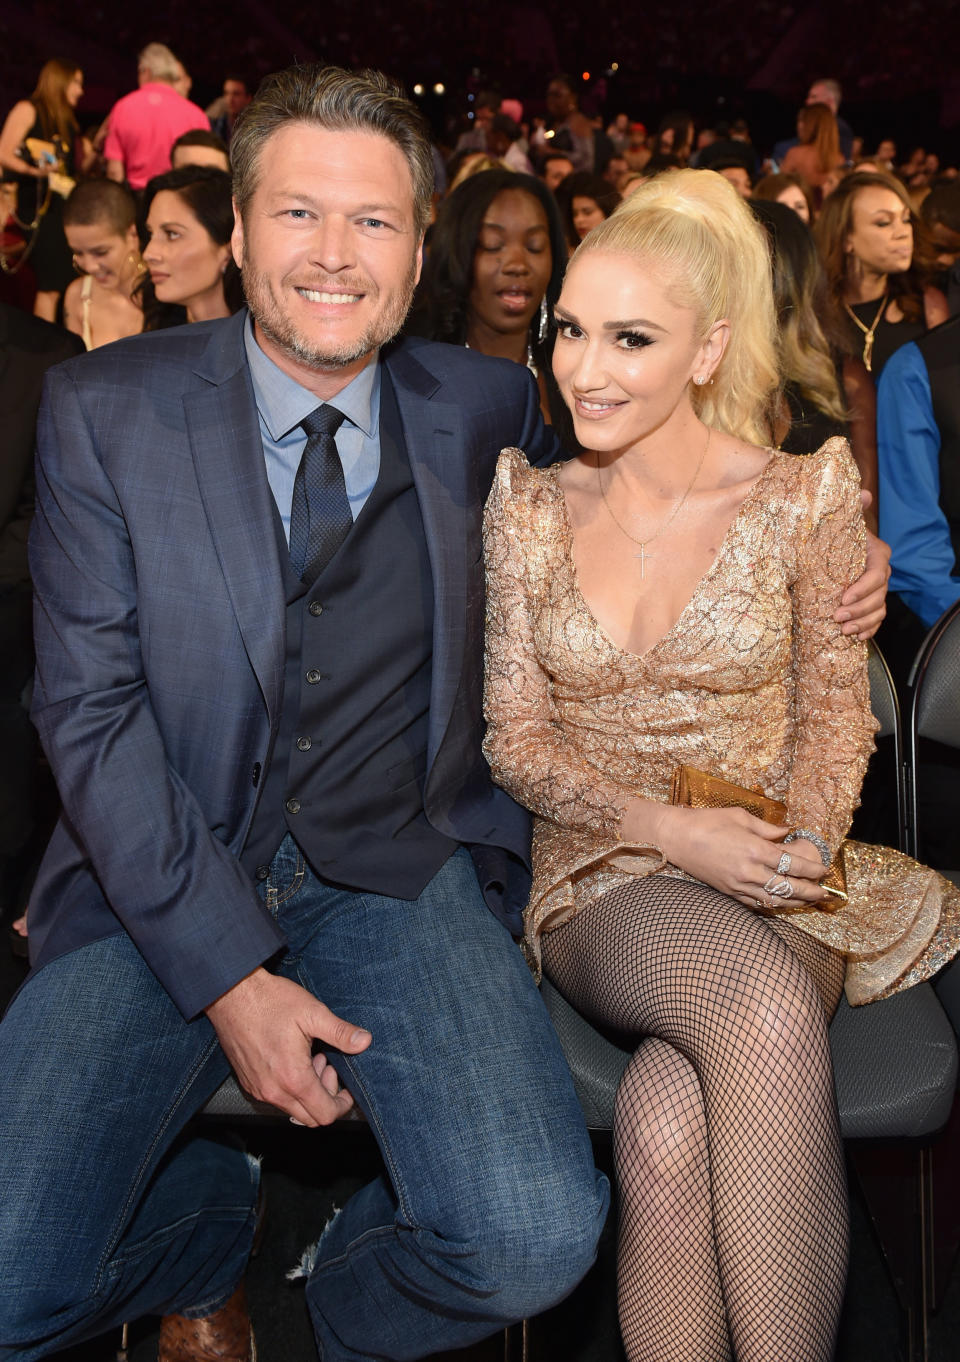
[{"x": 754, "y": 682}]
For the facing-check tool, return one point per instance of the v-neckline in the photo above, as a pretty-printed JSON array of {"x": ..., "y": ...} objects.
[{"x": 699, "y": 584}]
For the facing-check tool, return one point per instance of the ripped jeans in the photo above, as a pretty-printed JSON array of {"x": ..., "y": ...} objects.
[{"x": 492, "y": 1207}]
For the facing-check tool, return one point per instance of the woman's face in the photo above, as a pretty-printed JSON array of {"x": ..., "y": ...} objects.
[
  {"x": 98, "y": 249},
  {"x": 881, "y": 234},
  {"x": 512, "y": 263},
  {"x": 586, "y": 214},
  {"x": 184, "y": 261},
  {"x": 625, "y": 350},
  {"x": 74, "y": 91},
  {"x": 795, "y": 198}
]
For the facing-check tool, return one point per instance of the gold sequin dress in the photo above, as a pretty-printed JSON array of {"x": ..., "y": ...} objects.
[{"x": 754, "y": 682}]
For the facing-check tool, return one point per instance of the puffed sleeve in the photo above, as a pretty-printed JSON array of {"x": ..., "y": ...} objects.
[
  {"x": 528, "y": 753},
  {"x": 834, "y": 724}
]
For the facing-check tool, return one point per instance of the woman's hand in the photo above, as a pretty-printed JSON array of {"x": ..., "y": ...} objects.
[{"x": 739, "y": 854}]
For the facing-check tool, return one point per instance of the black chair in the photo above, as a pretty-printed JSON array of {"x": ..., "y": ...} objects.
[
  {"x": 895, "y": 1066},
  {"x": 934, "y": 712}
]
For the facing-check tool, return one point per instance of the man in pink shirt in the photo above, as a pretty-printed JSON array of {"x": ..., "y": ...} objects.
[{"x": 145, "y": 124}]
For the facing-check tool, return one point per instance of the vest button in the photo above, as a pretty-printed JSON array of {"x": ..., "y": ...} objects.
[
  {"x": 315, "y": 608},
  {"x": 313, "y": 676},
  {"x": 292, "y": 806},
  {"x": 304, "y": 744},
  {"x": 262, "y": 872}
]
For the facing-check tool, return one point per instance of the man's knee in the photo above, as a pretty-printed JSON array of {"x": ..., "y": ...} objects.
[{"x": 545, "y": 1244}]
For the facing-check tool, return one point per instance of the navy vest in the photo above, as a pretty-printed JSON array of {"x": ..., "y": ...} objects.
[{"x": 347, "y": 771}]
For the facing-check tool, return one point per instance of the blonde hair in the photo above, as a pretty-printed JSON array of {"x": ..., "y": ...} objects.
[{"x": 717, "y": 262}]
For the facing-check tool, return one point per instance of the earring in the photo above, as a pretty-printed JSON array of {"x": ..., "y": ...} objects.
[
  {"x": 700, "y": 380},
  {"x": 136, "y": 262},
  {"x": 544, "y": 321}
]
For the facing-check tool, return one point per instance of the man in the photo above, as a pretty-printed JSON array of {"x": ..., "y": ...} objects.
[
  {"x": 827, "y": 91},
  {"x": 144, "y": 125},
  {"x": 235, "y": 98},
  {"x": 260, "y": 582},
  {"x": 588, "y": 147},
  {"x": 556, "y": 166},
  {"x": 199, "y": 148},
  {"x": 485, "y": 107},
  {"x": 503, "y": 141},
  {"x": 918, "y": 452}
]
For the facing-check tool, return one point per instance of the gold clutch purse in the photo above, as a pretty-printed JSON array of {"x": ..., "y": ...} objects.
[{"x": 700, "y": 790}]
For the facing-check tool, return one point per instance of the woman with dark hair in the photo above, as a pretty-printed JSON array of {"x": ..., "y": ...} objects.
[
  {"x": 493, "y": 274},
  {"x": 787, "y": 189},
  {"x": 826, "y": 391},
  {"x": 817, "y": 155},
  {"x": 879, "y": 266},
  {"x": 100, "y": 222},
  {"x": 585, "y": 201},
  {"x": 39, "y": 147},
  {"x": 188, "y": 215}
]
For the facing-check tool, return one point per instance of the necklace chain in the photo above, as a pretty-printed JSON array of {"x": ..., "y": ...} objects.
[
  {"x": 868, "y": 332},
  {"x": 671, "y": 516}
]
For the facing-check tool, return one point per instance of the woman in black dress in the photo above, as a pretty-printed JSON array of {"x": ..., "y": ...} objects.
[
  {"x": 42, "y": 150},
  {"x": 879, "y": 265}
]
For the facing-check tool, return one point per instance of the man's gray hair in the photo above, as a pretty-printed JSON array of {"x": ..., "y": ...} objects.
[
  {"x": 339, "y": 101},
  {"x": 160, "y": 62}
]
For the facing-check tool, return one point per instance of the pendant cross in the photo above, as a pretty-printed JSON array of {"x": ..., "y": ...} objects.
[{"x": 642, "y": 556}]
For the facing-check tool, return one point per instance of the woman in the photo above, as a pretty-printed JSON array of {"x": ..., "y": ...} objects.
[
  {"x": 879, "y": 266},
  {"x": 826, "y": 391},
  {"x": 667, "y": 599},
  {"x": 493, "y": 274},
  {"x": 585, "y": 201},
  {"x": 41, "y": 146},
  {"x": 99, "y": 220},
  {"x": 787, "y": 189},
  {"x": 817, "y": 156},
  {"x": 189, "y": 222}
]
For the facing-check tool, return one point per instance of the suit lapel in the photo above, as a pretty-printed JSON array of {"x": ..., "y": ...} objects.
[
  {"x": 224, "y": 434},
  {"x": 434, "y": 437}
]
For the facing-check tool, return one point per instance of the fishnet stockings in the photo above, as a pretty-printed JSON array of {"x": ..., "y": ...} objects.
[{"x": 733, "y": 1220}]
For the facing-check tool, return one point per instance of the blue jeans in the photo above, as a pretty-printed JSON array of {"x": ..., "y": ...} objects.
[{"x": 492, "y": 1208}]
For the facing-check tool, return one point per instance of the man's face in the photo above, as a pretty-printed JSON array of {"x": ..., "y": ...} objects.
[
  {"x": 235, "y": 96},
  {"x": 559, "y": 99},
  {"x": 822, "y": 94},
  {"x": 328, "y": 250},
  {"x": 483, "y": 118},
  {"x": 556, "y": 170}
]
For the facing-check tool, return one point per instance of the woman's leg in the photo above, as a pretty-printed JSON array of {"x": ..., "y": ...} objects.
[
  {"x": 754, "y": 1102},
  {"x": 668, "y": 1284}
]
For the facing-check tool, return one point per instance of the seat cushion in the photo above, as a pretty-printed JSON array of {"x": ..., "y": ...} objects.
[{"x": 895, "y": 1064}]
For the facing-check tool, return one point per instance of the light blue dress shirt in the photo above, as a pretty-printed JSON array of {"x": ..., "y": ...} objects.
[
  {"x": 908, "y": 461},
  {"x": 282, "y": 404}
]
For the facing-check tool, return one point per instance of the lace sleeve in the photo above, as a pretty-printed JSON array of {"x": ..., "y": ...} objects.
[
  {"x": 529, "y": 755},
  {"x": 835, "y": 727}
]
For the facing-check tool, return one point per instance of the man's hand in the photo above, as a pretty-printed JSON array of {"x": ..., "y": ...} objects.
[
  {"x": 864, "y": 604},
  {"x": 267, "y": 1026}
]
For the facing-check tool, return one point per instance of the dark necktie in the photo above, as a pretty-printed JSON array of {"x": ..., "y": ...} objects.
[{"x": 320, "y": 516}]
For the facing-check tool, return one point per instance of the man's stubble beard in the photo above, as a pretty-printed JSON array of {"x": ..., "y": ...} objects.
[{"x": 277, "y": 327}]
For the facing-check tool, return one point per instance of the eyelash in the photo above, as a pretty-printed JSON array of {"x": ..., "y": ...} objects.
[
  {"x": 566, "y": 329},
  {"x": 642, "y": 339}
]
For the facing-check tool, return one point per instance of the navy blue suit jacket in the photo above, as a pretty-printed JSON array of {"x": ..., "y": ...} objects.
[{"x": 160, "y": 637}]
